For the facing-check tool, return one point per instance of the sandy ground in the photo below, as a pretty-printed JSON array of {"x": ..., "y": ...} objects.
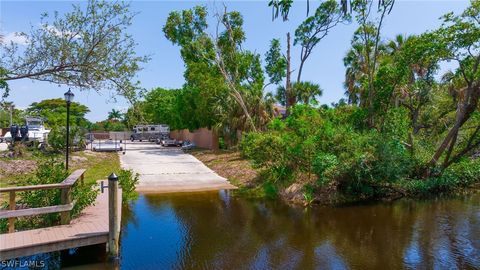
[
  {"x": 230, "y": 165},
  {"x": 164, "y": 170}
]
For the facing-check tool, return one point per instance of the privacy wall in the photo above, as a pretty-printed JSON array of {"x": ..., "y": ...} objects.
[{"x": 202, "y": 137}]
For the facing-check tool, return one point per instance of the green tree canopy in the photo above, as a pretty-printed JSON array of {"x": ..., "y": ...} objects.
[
  {"x": 223, "y": 81},
  {"x": 405, "y": 72},
  {"x": 115, "y": 115},
  {"x": 305, "y": 92},
  {"x": 163, "y": 106},
  {"x": 54, "y": 112},
  {"x": 276, "y": 67},
  {"x": 17, "y": 115},
  {"x": 316, "y": 27}
]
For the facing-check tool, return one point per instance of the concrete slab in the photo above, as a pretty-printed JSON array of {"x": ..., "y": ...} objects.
[{"x": 169, "y": 169}]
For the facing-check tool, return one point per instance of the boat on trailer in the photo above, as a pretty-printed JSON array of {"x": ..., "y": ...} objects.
[{"x": 32, "y": 131}]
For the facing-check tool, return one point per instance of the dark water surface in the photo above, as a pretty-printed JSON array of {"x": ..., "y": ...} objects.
[{"x": 217, "y": 231}]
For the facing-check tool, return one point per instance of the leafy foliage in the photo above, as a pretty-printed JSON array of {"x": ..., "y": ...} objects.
[
  {"x": 166, "y": 106},
  {"x": 85, "y": 48},
  {"x": 115, "y": 115},
  {"x": 127, "y": 180},
  {"x": 316, "y": 27},
  {"x": 304, "y": 92},
  {"x": 58, "y": 136},
  {"x": 224, "y": 82},
  {"x": 404, "y": 72},
  {"x": 4, "y": 88},
  {"x": 108, "y": 125},
  {"x": 54, "y": 112},
  {"x": 17, "y": 114},
  {"x": 320, "y": 147},
  {"x": 276, "y": 67}
]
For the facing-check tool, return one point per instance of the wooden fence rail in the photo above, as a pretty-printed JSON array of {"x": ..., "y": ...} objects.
[{"x": 64, "y": 209}]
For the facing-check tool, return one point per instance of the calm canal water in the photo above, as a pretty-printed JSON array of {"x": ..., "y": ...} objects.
[{"x": 218, "y": 231}]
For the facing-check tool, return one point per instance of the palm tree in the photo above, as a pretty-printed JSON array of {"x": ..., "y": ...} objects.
[
  {"x": 396, "y": 44},
  {"x": 355, "y": 74},
  {"x": 357, "y": 67},
  {"x": 115, "y": 115},
  {"x": 307, "y": 91},
  {"x": 280, "y": 95}
]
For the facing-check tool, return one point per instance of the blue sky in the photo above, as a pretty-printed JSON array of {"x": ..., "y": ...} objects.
[{"x": 165, "y": 69}]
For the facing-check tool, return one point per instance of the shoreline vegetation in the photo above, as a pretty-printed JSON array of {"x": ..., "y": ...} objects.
[{"x": 251, "y": 183}]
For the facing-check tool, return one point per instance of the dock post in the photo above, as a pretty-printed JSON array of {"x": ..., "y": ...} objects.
[
  {"x": 113, "y": 218},
  {"x": 66, "y": 198}
]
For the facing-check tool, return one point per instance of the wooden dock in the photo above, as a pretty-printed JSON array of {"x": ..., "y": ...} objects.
[{"x": 90, "y": 228}]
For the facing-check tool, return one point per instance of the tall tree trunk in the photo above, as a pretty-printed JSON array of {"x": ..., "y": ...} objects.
[
  {"x": 410, "y": 144},
  {"x": 471, "y": 145},
  {"x": 289, "y": 96},
  {"x": 450, "y": 150},
  {"x": 464, "y": 112},
  {"x": 373, "y": 67},
  {"x": 441, "y": 149},
  {"x": 302, "y": 61}
]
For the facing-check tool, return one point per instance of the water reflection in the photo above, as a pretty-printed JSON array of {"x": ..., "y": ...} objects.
[{"x": 216, "y": 231}]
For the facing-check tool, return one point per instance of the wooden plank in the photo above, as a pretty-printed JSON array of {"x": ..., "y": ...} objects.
[
  {"x": 12, "y": 206},
  {"x": 50, "y": 247},
  {"x": 35, "y": 187},
  {"x": 69, "y": 181},
  {"x": 72, "y": 178},
  {"x": 36, "y": 211}
]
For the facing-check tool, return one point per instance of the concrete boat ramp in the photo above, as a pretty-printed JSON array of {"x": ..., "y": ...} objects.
[{"x": 169, "y": 169}]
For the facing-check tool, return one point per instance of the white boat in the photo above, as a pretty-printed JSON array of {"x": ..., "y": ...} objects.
[{"x": 36, "y": 130}]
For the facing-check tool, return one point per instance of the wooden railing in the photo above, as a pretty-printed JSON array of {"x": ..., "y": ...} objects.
[{"x": 64, "y": 209}]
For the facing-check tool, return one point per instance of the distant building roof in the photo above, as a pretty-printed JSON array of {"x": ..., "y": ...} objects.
[{"x": 280, "y": 111}]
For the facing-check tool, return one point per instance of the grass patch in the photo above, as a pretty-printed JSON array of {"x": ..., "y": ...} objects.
[
  {"x": 98, "y": 165},
  {"x": 14, "y": 180}
]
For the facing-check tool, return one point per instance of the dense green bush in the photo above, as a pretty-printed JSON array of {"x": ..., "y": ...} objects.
[
  {"x": 318, "y": 146},
  {"x": 313, "y": 142},
  {"x": 58, "y": 136},
  {"x": 325, "y": 166}
]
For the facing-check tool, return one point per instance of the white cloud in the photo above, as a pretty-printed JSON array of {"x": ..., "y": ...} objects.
[
  {"x": 20, "y": 39},
  {"x": 15, "y": 37},
  {"x": 58, "y": 33}
]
